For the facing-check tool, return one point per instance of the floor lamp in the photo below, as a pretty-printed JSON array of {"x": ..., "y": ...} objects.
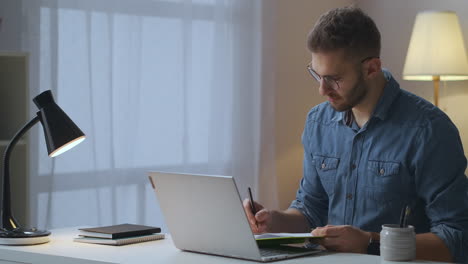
[{"x": 436, "y": 50}]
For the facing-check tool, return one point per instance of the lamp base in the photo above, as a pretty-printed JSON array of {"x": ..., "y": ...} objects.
[{"x": 23, "y": 236}]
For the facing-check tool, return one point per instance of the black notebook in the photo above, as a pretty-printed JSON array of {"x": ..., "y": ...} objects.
[{"x": 119, "y": 231}]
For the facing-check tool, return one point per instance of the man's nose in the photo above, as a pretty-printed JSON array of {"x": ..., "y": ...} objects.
[{"x": 324, "y": 89}]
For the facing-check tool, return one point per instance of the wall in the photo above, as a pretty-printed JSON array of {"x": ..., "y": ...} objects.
[
  {"x": 10, "y": 27},
  {"x": 285, "y": 29},
  {"x": 395, "y": 20}
]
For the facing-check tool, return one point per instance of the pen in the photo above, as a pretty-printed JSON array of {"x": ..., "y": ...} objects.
[
  {"x": 252, "y": 205},
  {"x": 404, "y": 215},
  {"x": 407, "y": 212}
]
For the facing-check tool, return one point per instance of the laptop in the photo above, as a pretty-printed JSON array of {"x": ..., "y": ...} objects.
[{"x": 204, "y": 214}]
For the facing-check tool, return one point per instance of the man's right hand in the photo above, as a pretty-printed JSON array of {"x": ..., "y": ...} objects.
[{"x": 262, "y": 221}]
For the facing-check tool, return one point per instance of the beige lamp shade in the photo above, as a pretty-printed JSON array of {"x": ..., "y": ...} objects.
[{"x": 436, "y": 48}]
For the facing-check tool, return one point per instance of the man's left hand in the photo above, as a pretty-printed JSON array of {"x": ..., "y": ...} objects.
[{"x": 343, "y": 238}]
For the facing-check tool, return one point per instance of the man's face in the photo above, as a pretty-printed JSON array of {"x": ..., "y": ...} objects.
[{"x": 346, "y": 73}]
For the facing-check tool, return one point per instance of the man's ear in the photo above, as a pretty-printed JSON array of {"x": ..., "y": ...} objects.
[{"x": 372, "y": 68}]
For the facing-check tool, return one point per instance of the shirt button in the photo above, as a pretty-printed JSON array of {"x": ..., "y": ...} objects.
[
  {"x": 382, "y": 171},
  {"x": 324, "y": 165},
  {"x": 353, "y": 166},
  {"x": 349, "y": 196}
]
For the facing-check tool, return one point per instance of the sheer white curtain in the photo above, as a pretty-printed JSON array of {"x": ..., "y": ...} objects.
[{"x": 155, "y": 85}]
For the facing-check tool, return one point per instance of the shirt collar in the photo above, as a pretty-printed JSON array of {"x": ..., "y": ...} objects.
[
  {"x": 338, "y": 116},
  {"x": 390, "y": 93}
]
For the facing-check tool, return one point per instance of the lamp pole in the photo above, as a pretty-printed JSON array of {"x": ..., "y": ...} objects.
[{"x": 436, "y": 80}]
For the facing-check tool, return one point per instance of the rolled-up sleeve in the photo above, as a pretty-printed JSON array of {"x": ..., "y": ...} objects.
[
  {"x": 311, "y": 199},
  {"x": 442, "y": 184}
]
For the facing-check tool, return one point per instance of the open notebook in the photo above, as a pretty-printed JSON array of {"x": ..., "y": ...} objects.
[{"x": 274, "y": 239}]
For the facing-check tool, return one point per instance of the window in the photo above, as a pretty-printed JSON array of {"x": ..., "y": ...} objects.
[{"x": 155, "y": 85}]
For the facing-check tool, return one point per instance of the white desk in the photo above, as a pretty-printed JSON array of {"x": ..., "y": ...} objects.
[{"x": 61, "y": 249}]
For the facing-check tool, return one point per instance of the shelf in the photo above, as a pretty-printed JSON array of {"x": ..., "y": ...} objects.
[{"x": 14, "y": 104}]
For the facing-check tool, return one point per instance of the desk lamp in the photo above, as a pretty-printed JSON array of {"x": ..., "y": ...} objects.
[
  {"x": 61, "y": 134},
  {"x": 436, "y": 50}
]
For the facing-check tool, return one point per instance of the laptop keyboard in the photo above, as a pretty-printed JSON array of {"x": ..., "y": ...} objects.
[{"x": 268, "y": 252}]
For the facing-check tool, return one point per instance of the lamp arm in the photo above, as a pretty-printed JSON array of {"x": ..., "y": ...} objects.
[{"x": 7, "y": 220}]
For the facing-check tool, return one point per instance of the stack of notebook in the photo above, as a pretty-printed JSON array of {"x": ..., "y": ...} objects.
[{"x": 119, "y": 234}]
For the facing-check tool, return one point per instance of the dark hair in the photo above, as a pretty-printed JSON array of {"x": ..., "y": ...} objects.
[{"x": 346, "y": 28}]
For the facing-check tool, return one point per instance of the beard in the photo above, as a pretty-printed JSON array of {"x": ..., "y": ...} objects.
[{"x": 352, "y": 98}]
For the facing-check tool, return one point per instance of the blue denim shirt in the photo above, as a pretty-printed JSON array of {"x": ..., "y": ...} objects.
[{"x": 409, "y": 152}]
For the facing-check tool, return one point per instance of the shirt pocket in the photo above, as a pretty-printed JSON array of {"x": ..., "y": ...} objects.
[
  {"x": 384, "y": 182},
  {"x": 327, "y": 168}
]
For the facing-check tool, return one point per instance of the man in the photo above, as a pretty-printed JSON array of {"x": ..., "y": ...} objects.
[{"x": 371, "y": 150}]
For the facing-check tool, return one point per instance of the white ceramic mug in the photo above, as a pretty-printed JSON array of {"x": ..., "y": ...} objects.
[{"x": 397, "y": 243}]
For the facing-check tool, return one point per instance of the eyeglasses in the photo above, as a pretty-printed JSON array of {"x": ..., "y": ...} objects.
[{"x": 328, "y": 80}]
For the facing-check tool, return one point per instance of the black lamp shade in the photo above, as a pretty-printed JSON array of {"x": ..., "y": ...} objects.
[{"x": 60, "y": 132}]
